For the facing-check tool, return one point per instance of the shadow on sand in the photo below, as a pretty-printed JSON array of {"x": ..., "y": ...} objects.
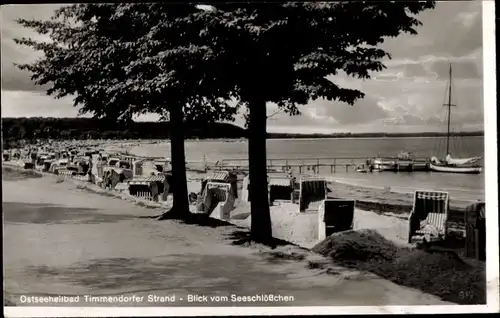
[
  {"x": 37, "y": 213},
  {"x": 17, "y": 174}
]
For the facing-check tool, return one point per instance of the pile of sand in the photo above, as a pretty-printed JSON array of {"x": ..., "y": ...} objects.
[
  {"x": 355, "y": 246},
  {"x": 443, "y": 274}
]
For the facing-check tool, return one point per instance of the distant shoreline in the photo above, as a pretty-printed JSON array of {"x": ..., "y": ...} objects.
[{"x": 31, "y": 129}]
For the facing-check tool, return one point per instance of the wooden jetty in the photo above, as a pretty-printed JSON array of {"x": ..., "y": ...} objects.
[
  {"x": 302, "y": 165},
  {"x": 325, "y": 165}
]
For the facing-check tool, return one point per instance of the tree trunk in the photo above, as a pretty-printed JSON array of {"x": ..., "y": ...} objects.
[
  {"x": 180, "y": 208},
  {"x": 257, "y": 134}
]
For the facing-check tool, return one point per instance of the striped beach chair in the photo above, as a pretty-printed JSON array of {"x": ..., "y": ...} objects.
[
  {"x": 280, "y": 188},
  {"x": 80, "y": 177},
  {"x": 312, "y": 190},
  {"x": 428, "y": 218},
  {"x": 142, "y": 188},
  {"x": 66, "y": 173}
]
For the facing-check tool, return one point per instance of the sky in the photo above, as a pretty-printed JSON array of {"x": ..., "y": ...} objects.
[{"x": 405, "y": 97}]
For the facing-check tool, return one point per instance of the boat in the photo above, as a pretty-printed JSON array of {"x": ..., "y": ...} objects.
[
  {"x": 383, "y": 164},
  {"x": 362, "y": 169},
  {"x": 449, "y": 164}
]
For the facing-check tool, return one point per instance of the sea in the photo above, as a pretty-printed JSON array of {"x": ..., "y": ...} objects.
[{"x": 353, "y": 150}]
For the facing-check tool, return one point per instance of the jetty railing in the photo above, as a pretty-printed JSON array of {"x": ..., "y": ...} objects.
[{"x": 325, "y": 165}]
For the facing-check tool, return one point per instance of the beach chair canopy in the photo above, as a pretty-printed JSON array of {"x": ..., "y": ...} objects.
[
  {"x": 426, "y": 202},
  {"x": 220, "y": 176},
  {"x": 280, "y": 188},
  {"x": 147, "y": 180},
  {"x": 113, "y": 161},
  {"x": 281, "y": 182}
]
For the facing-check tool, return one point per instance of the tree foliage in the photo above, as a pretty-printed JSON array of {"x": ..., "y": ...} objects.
[
  {"x": 287, "y": 52},
  {"x": 109, "y": 57},
  {"x": 16, "y": 129}
]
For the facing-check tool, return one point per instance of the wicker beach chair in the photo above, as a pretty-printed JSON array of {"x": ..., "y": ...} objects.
[
  {"x": 335, "y": 215},
  {"x": 428, "y": 218},
  {"x": 280, "y": 188},
  {"x": 311, "y": 190},
  {"x": 218, "y": 200},
  {"x": 475, "y": 231}
]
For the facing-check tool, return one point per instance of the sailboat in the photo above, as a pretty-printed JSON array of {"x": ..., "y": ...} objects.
[{"x": 449, "y": 164}]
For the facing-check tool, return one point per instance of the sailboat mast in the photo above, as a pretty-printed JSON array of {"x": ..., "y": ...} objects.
[{"x": 449, "y": 116}]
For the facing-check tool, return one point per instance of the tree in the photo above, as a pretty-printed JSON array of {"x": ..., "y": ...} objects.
[
  {"x": 17, "y": 132},
  {"x": 111, "y": 58},
  {"x": 180, "y": 61},
  {"x": 285, "y": 52}
]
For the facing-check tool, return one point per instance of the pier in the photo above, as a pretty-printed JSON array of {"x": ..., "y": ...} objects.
[{"x": 312, "y": 165}]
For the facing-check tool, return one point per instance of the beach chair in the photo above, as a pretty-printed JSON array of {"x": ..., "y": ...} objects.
[
  {"x": 222, "y": 177},
  {"x": 280, "y": 188},
  {"x": 29, "y": 165},
  {"x": 475, "y": 231},
  {"x": 218, "y": 200},
  {"x": 146, "y": 187},
  {"x": 245, "y": 194},
  {"x": 335, "y": 215},
  {"x": 311, "y": 190},
  {"x": 428, "y": 218}
]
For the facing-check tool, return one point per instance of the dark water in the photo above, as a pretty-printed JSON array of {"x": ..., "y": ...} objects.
[{"x": 463, "y": 186}]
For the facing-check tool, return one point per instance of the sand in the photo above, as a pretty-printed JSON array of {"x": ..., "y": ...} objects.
[
  {"x": 59, "y": 239},
  {"x": 302, "y": 228}
]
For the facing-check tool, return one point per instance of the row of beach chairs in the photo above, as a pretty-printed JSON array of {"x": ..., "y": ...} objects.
[{"x": 428, "y": 221}]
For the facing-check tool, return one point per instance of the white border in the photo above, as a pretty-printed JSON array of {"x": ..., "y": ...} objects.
[
  {"x": 492, "y": 264},
  {"x": 490, "y": 155},
  {"x": 234, "y": 311}
]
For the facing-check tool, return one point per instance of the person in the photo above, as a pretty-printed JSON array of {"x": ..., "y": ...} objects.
[
  {"x": 90, "y": 170},
  {"x": 154, "y": 191},
  {"x": 233, "y": 180},
  {"x": 166, "y": 189},
  {"x": 448, "y": 158}
]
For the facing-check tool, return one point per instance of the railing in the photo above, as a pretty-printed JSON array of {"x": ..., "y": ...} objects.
[{"x": 302, "y": 165}]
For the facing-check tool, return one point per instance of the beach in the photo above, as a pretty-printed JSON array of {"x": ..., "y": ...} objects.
[{"x": 62, "y": 238}]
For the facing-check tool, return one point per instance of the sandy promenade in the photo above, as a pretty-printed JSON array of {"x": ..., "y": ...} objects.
[{"x": 59, "y": 240}]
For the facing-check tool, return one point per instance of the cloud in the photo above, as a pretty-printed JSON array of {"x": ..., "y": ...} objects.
[
  {"x": 406, "y": 96},
  {"x": 35, "y": 104},
  {"x": 453, "y": 28},
  {"x": 12, "y": 78}
]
